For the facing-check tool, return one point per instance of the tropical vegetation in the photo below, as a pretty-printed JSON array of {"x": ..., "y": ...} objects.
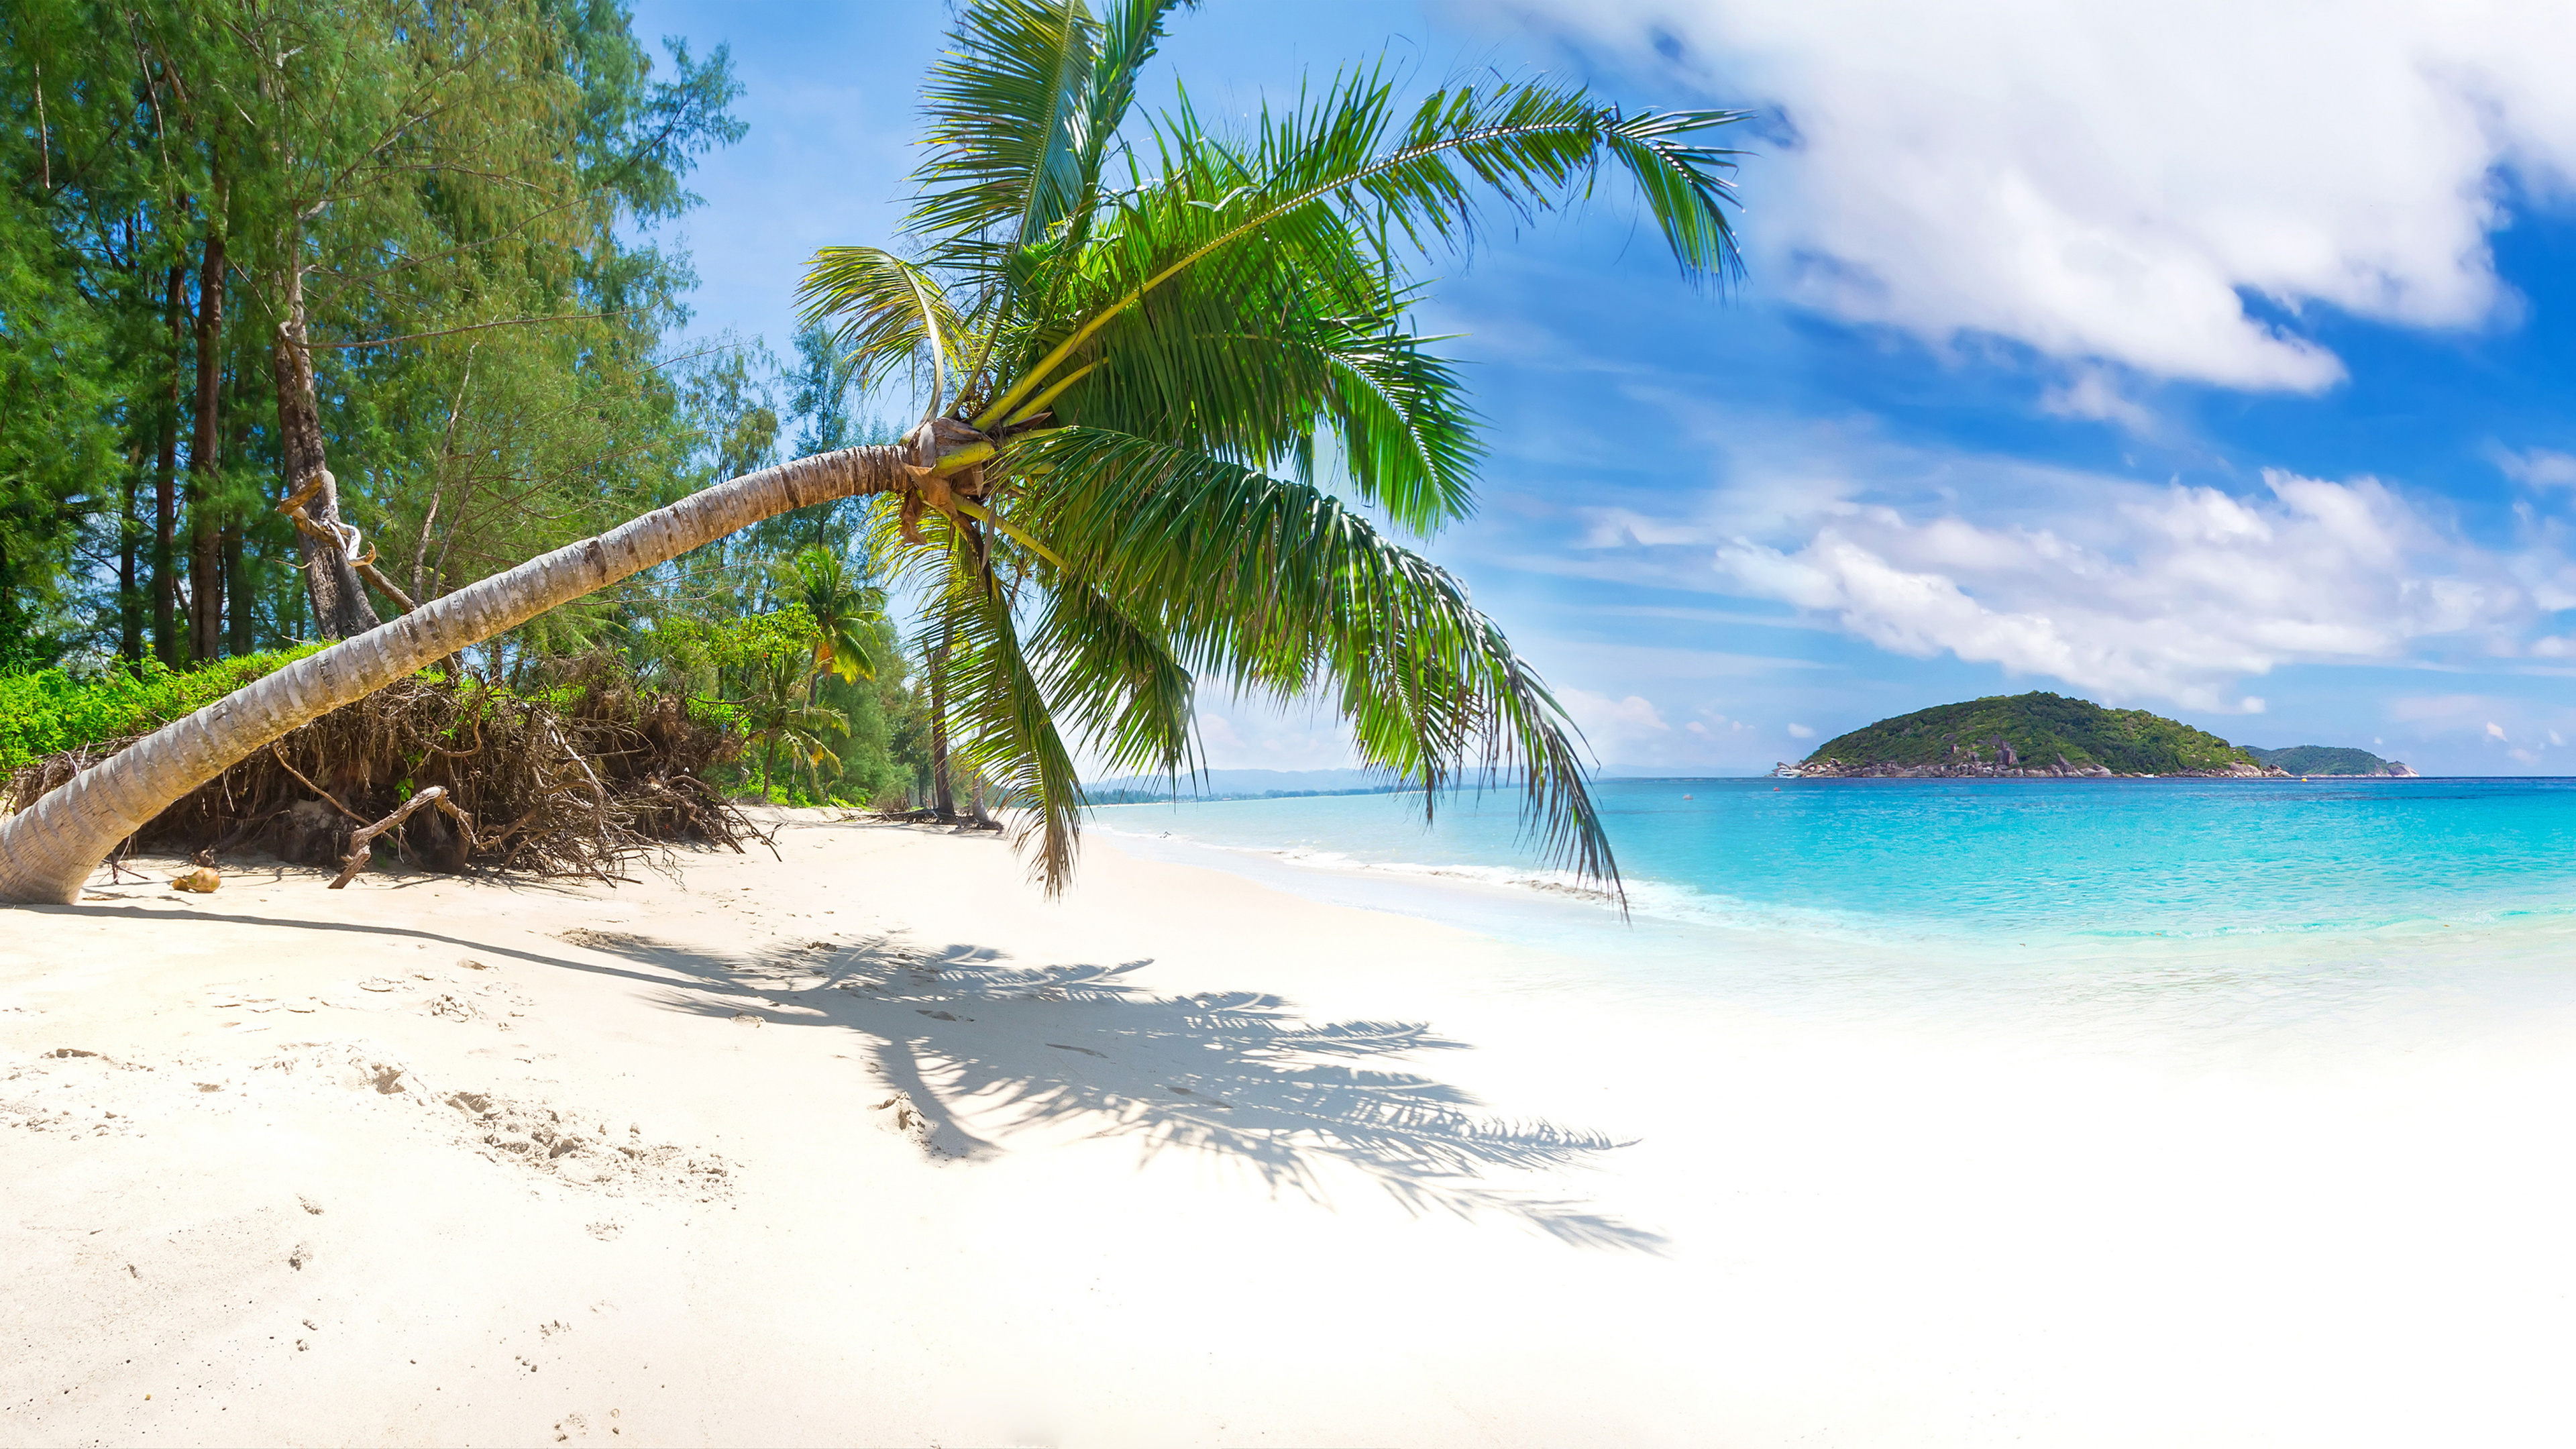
[
  {"x": 1174, "y": 405},
  {"x": 2039, "y": 729},
  {"x": 412, "y": 246},
  {"x": 1183, "y": 369},
  {"x": 2327, "y": 760}
]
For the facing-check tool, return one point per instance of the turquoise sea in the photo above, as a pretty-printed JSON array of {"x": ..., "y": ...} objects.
[
  {"x": 2193, "y": 894},
  {"x": 2132, "y": 1112}
]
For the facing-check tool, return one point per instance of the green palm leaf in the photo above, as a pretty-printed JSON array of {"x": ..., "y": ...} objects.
[
  {"x": 1152, "y": 393},
  {"x": 1314, "y": 176},
  {"x": 1021, "y": 112},
  {"x": 890, "y": 313},
  {"x": 1280, "y": 589},
  {"x": 1004, "y": 730},
  {"x": 845, "y": 613}
]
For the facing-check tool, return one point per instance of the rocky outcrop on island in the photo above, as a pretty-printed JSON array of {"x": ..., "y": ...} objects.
[{"x": 2031, "y": 736}]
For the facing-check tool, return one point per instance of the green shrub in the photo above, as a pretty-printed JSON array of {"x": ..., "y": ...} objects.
[{"x": 47, "y": 710}]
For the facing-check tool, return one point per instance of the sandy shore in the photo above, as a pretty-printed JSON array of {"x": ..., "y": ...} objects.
[
  {"x": 872, "y": 1145},
  {"x": 430, "y": 1162}
]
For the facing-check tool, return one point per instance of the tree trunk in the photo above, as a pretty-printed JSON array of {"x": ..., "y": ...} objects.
[
  {"x": 205, "y": 461},
  {"x": 340, "y": 604},
  {"x": 943, "y": 799},
  {"x": 49, "y": 848},
  {"x": 129, "y": 588},
  {"x": 237, "y": 593},
  {"x": 241, "y": 582},
  {"x": 165, "y": 498}
]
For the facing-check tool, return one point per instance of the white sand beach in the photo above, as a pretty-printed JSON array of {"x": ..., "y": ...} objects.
[{"x": 429, "y": 1161}]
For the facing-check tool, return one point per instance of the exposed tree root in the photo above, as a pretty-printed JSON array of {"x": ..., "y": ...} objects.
[{"x": 580, "y": 784}]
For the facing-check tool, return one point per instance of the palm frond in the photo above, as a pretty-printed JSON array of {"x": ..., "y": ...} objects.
[
  {"x": 884, "y": 312},
  {"x": 845, "y": 613},
  {"x": 1279, "y": 588},
  {"x": 1253, "y": 368},
  {"x": 1000, "y": 106},
  {"x": 1001, "y": 728},
  {"x": 1127, "y": 695},
  {"x": 1314, "y": 175},
  {"x": 1021, "y": 110}
]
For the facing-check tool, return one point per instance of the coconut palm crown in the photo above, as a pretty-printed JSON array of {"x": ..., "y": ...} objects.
[{"x": 1171, "y": 372}]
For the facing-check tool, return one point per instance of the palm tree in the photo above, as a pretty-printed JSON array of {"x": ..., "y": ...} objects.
[
  {"x": 780, "y": 710},
  {"x": 1152, "y": 378},
  {"x": 1118, "y": 378},
  {"x": 846, "y": 613}
]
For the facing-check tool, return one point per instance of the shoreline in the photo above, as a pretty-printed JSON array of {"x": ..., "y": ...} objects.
[
  {"x": 1467, "y": 896},
  {"x": 1096, "y": 1076},
  {"x": 1184, "y": 1159}
]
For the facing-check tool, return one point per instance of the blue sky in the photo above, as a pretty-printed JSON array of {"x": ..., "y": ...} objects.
[{"x": 2201, "y": 357}]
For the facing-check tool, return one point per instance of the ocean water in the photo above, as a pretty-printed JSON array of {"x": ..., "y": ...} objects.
[
  {"x": 2133, "y": 1113},
  {"x": 2197, "y": 900}
]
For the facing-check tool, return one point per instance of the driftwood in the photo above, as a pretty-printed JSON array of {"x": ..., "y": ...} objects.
[
  {"x": 961, "y": 819},
  {"x": 362, "y": 843}
]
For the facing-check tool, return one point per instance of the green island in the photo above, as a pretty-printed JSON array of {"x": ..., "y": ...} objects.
[
  {"x": 2330, "y": 760},
  {"x": 2049, "y": 736}
]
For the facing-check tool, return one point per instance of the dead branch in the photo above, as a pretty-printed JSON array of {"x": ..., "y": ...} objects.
[{"x": 362, "y": 843}]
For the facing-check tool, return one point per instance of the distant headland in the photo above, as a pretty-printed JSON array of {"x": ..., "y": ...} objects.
[{"x": 2048, "y": 736}]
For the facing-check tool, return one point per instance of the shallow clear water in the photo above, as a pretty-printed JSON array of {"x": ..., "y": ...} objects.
[
  {"x": 2226, "y": 901},
  {"x": 1908, "y": 857}
]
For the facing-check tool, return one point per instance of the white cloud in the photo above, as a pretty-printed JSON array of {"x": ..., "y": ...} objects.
[
  {"x": 1801, "y": 732},
  {"x": 1261, "y": 734},
  {"x": 1713, "y": 726},
  {"x": 1614, "y": 728},
  {"x": 2114, "y": 181},
  {"x": 1621, "y": 527},
  {"x": 2139, "y": 592},
  {"x": 2092, "y": 394},
  {"x": 2472, "y": 730},
  {"x": 2538, "y": 468}
]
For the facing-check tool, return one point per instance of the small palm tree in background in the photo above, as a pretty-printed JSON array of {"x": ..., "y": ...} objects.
[
  {"x": 780, "y": 710},
  {"x": 1164, "y": 364},
  {"x": 846, "y": 613}
]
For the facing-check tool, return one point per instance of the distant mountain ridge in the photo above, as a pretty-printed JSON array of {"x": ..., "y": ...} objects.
[
  {"x": 2330, "y": 760},
  {"x": 2035, "y": 735}
]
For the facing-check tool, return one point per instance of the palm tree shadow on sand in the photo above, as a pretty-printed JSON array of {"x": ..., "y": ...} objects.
[{"x": 968, "y": 1033}]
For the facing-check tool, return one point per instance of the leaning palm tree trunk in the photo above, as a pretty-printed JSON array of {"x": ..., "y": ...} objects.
[{"x": 50, "y": 848}]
